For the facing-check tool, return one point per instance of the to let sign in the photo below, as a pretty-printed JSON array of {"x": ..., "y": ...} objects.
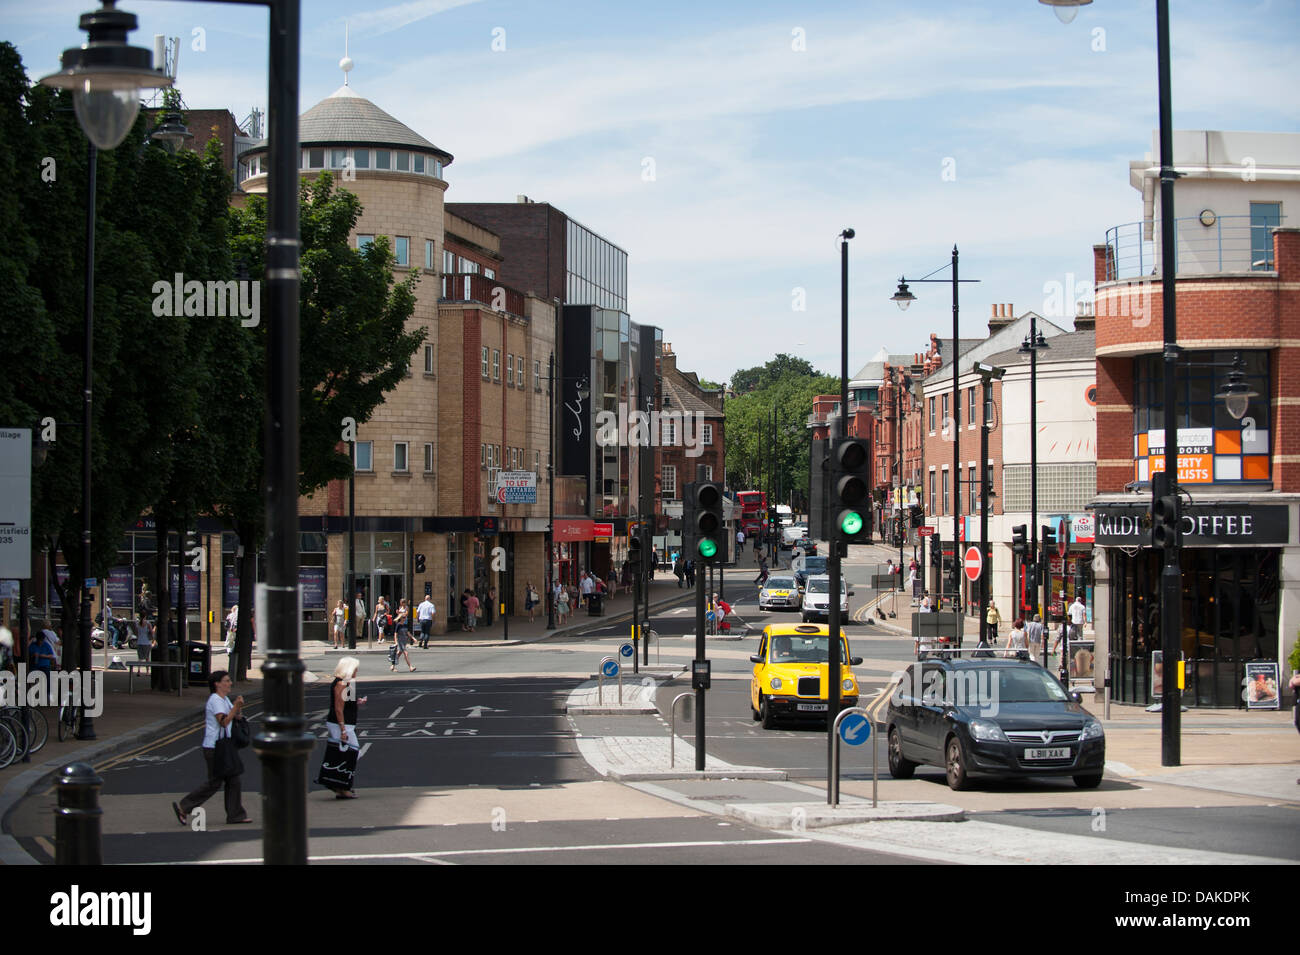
[
  {"x": 517, "y": 487},
  {"x": 15, "y": 503}
]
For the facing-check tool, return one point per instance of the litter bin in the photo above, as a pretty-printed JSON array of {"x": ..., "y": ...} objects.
[
  {"x": 595, "y": 605},
  {"x": 198, "y": 660}
]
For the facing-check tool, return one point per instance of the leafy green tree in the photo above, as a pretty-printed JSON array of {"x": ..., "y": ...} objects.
[
  {"x": 780, "y": 368},
  {"x": 355, "y": 348}
]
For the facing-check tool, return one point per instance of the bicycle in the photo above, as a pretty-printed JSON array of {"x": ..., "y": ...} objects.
[
  {"x": 22, "y": 736},
  {"x": 34, "y": 722},
  {"x": 70, "y": 717},
  {"x": 8, "y": 746}
]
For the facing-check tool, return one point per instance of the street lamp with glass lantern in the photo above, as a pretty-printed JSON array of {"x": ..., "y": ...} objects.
[
  {"x": 1033, "y": 343},
  {"x": 105, "y": 77}
]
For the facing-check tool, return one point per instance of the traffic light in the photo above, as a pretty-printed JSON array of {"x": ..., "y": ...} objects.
[
  {"x": 818, "y": 490},
  {"x": 851, "y": 476},
  {"x": 1048, "y": 538},
  {"x": 634, "y": 553},
  {"x": 419, "y": 563},
  {"x": 1019, "y": 542},
  {"x": 936, "y": 551},
  {"x": 918, "y": 515},
  {"x": 707, "y": 521},
  {"x": 1164, "y": 512}
]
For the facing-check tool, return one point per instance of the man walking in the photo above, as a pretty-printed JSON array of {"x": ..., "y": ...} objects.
[
  {"x": 588, "y": 586},
  {"x": 740, "y": 542},
  {"x": 359, "y": 610},
  {"x": 425, "y": 613},
  {"x": 1078, "y": 617},
  {"x": 1034, "y": 631},
  {"x": 762, "y": 571}
]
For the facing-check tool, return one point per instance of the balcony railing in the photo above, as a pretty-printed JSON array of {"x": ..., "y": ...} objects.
[
  {"x": 1229, "y": 244},
  {"x": 472, "y": 287}
]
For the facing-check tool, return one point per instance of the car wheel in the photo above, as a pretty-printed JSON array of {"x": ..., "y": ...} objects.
[
  {"x": 766, "y": 715},
  {"x": 955, "y": 763},
  {"x": 1088, "y": 782},
  {"x": 899, "y": 768}
]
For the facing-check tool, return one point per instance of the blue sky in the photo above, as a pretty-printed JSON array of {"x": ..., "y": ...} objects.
[{"x": 771, "y": 127}]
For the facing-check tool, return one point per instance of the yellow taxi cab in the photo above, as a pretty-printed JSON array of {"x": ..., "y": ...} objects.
[{"x": 790, "y": 671}]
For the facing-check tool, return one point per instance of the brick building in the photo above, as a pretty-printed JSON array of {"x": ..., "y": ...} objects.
[{"x": 1238, "y": 299}]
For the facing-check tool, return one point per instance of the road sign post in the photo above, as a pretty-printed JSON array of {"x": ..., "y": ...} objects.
[
  {"x": 853, "y": 726},
  {"x": 609, "y": 668}
]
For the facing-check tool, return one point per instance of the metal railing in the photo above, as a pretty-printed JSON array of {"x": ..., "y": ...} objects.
[
  {"x": 1229, "y": 244},
  {"x": 473, "y": 287}
]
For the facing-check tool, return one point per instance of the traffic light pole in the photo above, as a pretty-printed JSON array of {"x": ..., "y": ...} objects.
[
  {"x": 833, "y": 559},
  {"x": 986, "y": 572}
]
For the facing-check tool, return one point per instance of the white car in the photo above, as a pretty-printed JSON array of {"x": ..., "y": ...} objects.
[
  {"x": 791, "y": 535},
  {"x": 817, "y": 599},
  {"x": 779, "y": 593}
]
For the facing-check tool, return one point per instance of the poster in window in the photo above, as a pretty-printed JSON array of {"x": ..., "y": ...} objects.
[{"x": 1261, "y": 686}]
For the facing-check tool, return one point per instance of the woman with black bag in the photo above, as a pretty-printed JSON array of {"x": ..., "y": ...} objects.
[
  {"x": 225, "y": 731},
  {"x": 339, "y": 766}
]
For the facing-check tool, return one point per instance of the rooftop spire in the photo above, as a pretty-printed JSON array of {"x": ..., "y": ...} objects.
[{"x": 345, "y": 64}]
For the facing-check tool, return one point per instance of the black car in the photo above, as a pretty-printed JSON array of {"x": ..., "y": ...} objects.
[
  {"x": 811, "y": 566},
  {"x": 991, "y": 718}
]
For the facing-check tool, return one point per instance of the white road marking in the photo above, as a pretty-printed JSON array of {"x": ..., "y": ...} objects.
[
  {"x": 361, "y": 752},
  {"x": 703, "y": 843},
  {"x": 393, "y": 715}
]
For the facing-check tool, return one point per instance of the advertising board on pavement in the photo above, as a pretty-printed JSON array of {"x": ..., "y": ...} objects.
[{"x": 15, "y": 503}]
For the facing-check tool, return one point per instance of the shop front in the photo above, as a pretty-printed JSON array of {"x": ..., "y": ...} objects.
[{"x": 1234, "y": 605}]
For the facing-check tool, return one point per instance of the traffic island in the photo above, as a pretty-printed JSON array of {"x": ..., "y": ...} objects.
[
  {"x": 798, "y": 816},
  {"x": 649, "y": 758}
]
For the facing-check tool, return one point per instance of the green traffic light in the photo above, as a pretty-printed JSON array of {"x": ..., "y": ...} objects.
[
  {"x": 708, "y": 548},
  {"x": 851, "y": 523}
]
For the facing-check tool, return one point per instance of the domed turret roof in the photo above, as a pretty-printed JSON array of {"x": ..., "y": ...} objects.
[{"x": 347, "y": 119}]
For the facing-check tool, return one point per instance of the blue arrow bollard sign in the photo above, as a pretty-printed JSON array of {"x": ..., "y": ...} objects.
[
  {"x": 609, "y": 668},
  {"x": 855, "y": 729},
  {"x": 626, "y": 650}
]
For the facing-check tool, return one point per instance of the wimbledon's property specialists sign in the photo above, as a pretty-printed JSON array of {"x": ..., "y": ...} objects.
[{"x": 15, "y": 503}]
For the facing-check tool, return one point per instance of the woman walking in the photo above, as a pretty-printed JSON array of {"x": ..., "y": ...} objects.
[
  {"x": 401, "y": 637},
  {"x": 144, "y": 638},
  {"x": 531, "y": 600},
  {"x": 1017, "y": 640},
  {"x": 338, "y": 768},
  {"x": 562, "y": 604},
  {"x": 218, "y": 715}
]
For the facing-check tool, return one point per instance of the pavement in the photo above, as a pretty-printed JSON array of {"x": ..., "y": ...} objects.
[{"x": 1229, "y": 757}]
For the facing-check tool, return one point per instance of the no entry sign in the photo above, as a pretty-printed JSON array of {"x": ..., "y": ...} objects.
[
  {"x": 924, "y": 531},
  {"x": 974, "y": 563}
]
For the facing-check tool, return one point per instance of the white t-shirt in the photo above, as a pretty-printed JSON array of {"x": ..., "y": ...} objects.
[
  {"x": 587, "y": 585},
  {"x": 426, "y": 610},
  {"x": 211, "y": 728},
  {"x": 1078, "y": 614}
]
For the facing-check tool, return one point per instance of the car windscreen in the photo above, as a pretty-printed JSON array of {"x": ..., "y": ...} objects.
[
  {"x": 814, "y": 565},
  {"x": 798, "y": 649},
  {"x": 780, "y": 583},
  {"x": 984, "y": 686},
  {"x": 822, "y": 585}
]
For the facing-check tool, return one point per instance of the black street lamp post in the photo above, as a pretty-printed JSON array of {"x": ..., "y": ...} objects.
[
  {"x": 1032, "y": 344},
  {"x": 903, "y": 297}
]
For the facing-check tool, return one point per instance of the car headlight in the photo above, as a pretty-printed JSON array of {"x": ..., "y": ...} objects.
[
  {"x": 775, "y": 683},
  {"x": 848, "y": 684},
  {"x": 1092, "y": 730},
  {"x": 987, "y": 731}
]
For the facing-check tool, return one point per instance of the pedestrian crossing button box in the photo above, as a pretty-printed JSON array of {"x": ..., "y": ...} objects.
[{"x": 701, "y": 674}]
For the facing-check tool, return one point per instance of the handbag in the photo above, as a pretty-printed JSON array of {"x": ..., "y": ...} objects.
[
  {"x": 225, "y": 759},
  {"x": 392, "y": 655},
  {"x": 338, "y": 767},
  {"x": 240, "y": 732}
]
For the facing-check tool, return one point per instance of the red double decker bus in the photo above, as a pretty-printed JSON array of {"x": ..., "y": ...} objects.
[{"x": 753, "y": 511}]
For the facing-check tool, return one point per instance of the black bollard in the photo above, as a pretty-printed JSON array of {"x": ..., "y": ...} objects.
[{"x": 77, "y": 829}]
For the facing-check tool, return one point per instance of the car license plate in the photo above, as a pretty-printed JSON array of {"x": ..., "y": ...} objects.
[
  {"x": 811, "y": 707},
  {"x": 1059, "y": 752}
]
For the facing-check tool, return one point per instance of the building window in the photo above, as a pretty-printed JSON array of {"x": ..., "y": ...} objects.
[
  {"x": 486, "y": 370},
  {"x": 428, "y": 253},
  {"x": 537, "y": 462},
  {"x": 400, "y": 463},
  {"x": 365, "y": 242},
  {"x": 417, "y": 162},
  {"x": 430, "y": 360},
  {"x": 668, "y": 480},
  {"x": 974, "y": 491},
  {"x": 934, "y": 500},
  {"x": 365, "y": 456},
  {"x": 970, "y": 405},
  {"x": 669, "y": 431},
  {"x": 496, "y": 364},
  {"x": 1264, "y": 218},
  {"x": 489, "y": 273},
  {"x": 708, "y": 436},
  {"x": 448, "y": 262},
  {"x": 944, "y": 424},
  {"x": 945, "y": 491},
  {"x": 362, "y": 157},
  {"x": 932, "y": 416},
  {"x": 988, "y": 406},
  {"x": 382, "y": 158},
  {"x": 428, "y": 459},
  {"x": 510, "y": 371},
  {"x": 708, "y": 472},
  {"x": 402, "y": 250},
  {"x": 315, "y": 159},
  {"x": 338, "y": 158},
  {"x": 537, "y": 376},
  {"x": 402, "y": 161}
]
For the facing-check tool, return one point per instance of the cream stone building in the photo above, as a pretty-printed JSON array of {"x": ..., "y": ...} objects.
[{"x": 474, "y": 403}]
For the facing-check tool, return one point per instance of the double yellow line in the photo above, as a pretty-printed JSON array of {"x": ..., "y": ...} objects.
[{"x": 118, "y": 758}]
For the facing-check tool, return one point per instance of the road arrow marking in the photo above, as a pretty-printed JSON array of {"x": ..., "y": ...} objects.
[{"x": 477, "y": 711}]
